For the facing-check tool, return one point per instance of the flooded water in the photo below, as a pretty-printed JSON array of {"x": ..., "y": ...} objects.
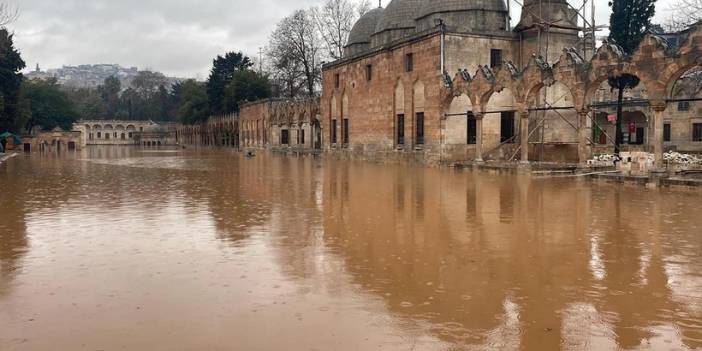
[{"x": 121, "y": 249}]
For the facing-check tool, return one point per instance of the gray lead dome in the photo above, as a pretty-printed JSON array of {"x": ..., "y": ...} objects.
[
  {"x": 361, "y": 33},
  {"x": 432, "y": 7},
  {"x": 365, "y": 27}
]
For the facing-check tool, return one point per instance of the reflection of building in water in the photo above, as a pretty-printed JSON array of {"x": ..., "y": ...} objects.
[
  {"x": 105, "y": 132},
  {"x": 488, "y": 261}
]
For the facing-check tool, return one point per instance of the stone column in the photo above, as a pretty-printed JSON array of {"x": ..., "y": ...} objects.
[
  {"x": 524, "y": 136},
  {"x": 584, "y": 132},
  {"x": 658, "y": 109},
  {"x": 479, "y": 137}
]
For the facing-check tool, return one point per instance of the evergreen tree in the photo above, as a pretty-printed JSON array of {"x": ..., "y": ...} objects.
[
  {"x": 109, "y": 94},
  {"x": 11, "y": 64},
  {"x": 629, "y": 22},
  {"x": 246, "y": 85},
  {"x": 222, "y": 73},
  {"x": 49, "y": 106},
  {"x": 194, "y": 106}
]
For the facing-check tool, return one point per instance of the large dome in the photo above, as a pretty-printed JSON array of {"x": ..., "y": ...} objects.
[
  {"x": 365, "y": 27},
  {"x": 439, "y": 6},
  {"x": 463, "y": 16},
  {"x": 397, "y": 21},
  {"x": 400, "y": 14}
]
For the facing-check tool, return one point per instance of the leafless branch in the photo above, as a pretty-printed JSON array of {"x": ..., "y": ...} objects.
[
  {"x": 683, "y": 14},
  {"x": 8, "y": 14}
]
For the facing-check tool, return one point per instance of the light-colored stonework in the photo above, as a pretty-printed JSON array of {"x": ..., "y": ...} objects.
[
  {"x": 111, "y": 132},
  {"x": 53, "y": 141}
]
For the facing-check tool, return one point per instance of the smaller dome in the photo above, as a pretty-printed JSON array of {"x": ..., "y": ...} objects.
[{"x": 365, "y": 27}]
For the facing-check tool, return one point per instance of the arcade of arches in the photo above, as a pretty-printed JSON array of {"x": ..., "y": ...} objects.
[{"x": 280, "y": 124}]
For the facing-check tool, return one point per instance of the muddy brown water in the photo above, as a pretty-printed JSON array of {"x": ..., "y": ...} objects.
[{"x": 125, "y": 249}]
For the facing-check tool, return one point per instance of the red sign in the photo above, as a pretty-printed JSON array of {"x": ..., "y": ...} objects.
[{"x": 632, "y": 127}]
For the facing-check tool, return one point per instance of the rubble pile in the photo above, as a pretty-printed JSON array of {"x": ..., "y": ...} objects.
[
  {"x": 684, "y": 159},
  {"x": 671, "y": 157}
]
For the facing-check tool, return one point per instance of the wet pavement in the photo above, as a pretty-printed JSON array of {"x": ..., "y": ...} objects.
[{"x": 128, "y": 249}]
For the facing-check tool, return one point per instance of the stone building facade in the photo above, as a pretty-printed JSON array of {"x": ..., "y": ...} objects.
[
  {"x": 53, "y": 141},
  {"x": 386, "y": 97},
  {"x": 524, "y": 94},
  {"x": 278, "y": 124},
  {"x": 112, "y": 132},
  {"x": 532, "y": 93}
]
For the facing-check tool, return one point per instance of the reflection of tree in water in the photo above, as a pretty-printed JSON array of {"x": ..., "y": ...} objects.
[
  {"x": 491, "y": 261},
  {"x": 236, "y": 195},
  {"x": 13, "y": 228}
]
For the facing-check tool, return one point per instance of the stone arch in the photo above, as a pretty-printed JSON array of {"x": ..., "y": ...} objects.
[
  {"x": 419, "y": 96},
  {"x": 97, "y": 127},
  {"x": 560, "y": 125},
  {"x": 419, "y": 116},
  {"x": 604, "y": 130},
  {"x": 456, "y": 120},
  {"x": 399, "y": 98},
  {"x": 501, "y": 118},
  {"x": 399, "y": 113},
  {"x": 679, "y": 73}
]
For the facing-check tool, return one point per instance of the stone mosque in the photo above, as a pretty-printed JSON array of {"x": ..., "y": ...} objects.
[
  {"x": 499, "y": 97},
  {"x": 452, "y": 81},
  {"x": 385, "y": 94}
]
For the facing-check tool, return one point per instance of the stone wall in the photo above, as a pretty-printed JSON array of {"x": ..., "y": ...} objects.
[{"x": 55, "y": 141}]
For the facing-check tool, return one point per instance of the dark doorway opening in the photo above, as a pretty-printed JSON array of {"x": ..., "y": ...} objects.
[
  {"x": 507, "y": 127},
  {"x": 284, "y": 137},
  {"x": 71, "y": 145},
  {"x": 400, "y": 129},
  {"x": 471, "y": 131},
  {"x": 345, "y": 127},
  {"x": 419, "y": 128}
]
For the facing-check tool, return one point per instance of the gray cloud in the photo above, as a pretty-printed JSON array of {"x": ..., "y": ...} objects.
[{"x": 177, "y": 37}]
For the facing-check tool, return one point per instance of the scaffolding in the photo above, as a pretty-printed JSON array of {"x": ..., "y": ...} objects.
[{"x": 583, "y": 16}]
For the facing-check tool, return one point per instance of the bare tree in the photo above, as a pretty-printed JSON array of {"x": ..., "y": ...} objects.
[
  {"x": 684, "y": 14},
  {"x": 298, "y": 38},
  {"x": 286, "y": 73},
  {"x": 8, "y": 14},
  {"x": 335, "y": 19}
]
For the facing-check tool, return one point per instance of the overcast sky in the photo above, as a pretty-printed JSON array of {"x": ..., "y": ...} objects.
[{"x": 177, "y": 37}]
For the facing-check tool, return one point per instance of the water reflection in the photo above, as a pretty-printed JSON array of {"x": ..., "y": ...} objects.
[
  {"x": 542, "y": 264},
  {"x": 219, "y": 251},
  {"x": 13, "y": 230}
]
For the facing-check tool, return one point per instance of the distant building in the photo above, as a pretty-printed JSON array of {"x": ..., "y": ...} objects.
[
  {"x": 91, "y": 76},
  {"x": 115, "y": 132}
]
